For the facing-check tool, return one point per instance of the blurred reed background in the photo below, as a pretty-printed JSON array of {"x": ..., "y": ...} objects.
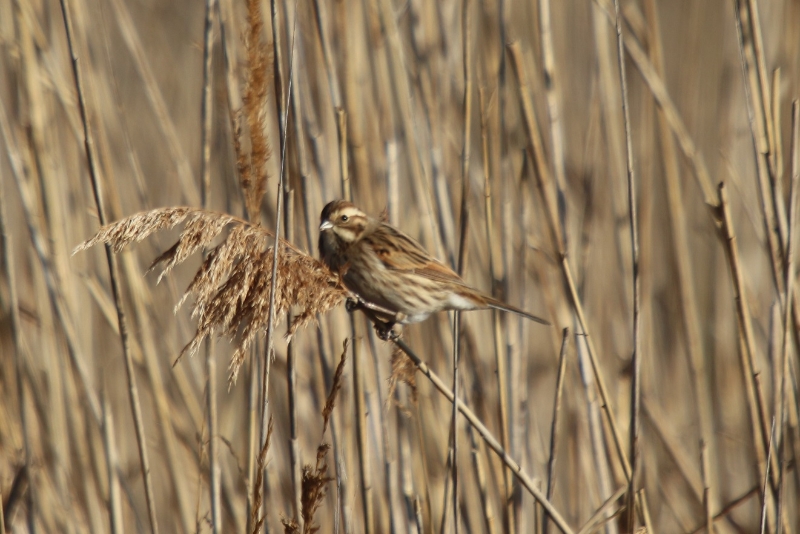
[{"x": 509, "y": 110}]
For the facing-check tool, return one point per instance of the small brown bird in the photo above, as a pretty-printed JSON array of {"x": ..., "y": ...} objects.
[{"x": 391, "y": 272}]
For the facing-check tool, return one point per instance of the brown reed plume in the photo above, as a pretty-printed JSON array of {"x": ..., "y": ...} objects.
[
  {"x": 231, "y": 288},
  {"x": 253, "y": 170}
]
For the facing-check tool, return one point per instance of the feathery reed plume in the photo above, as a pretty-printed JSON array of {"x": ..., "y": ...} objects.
[
  {"x": 290, "y": 526},
  {"x": 314, "y": 482},
  {"x": 231, "y": 287},
  {"x": 403, "y": 370},
  {"x": 257, "y": 521},
  {"x": 330, "y": 402},
  {"x": 253, "y": 176}
]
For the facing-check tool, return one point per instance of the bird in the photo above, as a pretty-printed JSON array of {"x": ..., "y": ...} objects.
[{"x": 394, "y": 279}]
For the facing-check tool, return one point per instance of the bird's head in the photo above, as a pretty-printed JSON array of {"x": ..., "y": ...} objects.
[{"x": 342, "y": 219}]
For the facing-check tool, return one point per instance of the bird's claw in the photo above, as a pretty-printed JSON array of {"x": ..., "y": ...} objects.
[
  {"x": 351, "y": 304},
  {"x": 386, "y": 331}
]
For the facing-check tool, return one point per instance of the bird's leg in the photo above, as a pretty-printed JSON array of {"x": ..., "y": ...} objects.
[
  {"x": 383, "y": 327},
  {"x": 385, "y": 330}
]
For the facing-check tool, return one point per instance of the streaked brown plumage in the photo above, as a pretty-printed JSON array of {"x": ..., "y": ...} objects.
[{"x": 388, "y": 269}]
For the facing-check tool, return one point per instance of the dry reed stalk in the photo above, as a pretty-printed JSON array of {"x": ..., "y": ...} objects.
[
  {"x": 391, "y": 495},
  {"x": 499, "y": 356},
  {"x": 315, "y": 478},
  {"x": 658, "y": 89},
  {"x": 402, "y": 93},
  {"x": 487, "y": 437},
  {"x": 256, "y": 519},
  {"x": 551, "y": 82},
  {"x": 114, "y": 503},
  {"x": 157, "y": 101},
  {"x": 727, "y": 509},
  {"x": 140, "y": 300},
  {"x": 329, "y": 379},
  {"x": 364, "y": 456},
  {"x": 761, "y": 121},
  {"x": 480, "y": 476},
  {"x": 765, "y": 502},
  {"x": 462, "y": 248},
  {"x": 748, "y": 348},
  {"x": 291, "y": 386},
  {"x": 636, "y": 358},
  {"x": 605, "y": 513},
  {"x": 20, "y": 355},
  {"x": 551, "y": 464},
  {"x": 113, "y": 275},
  {"x": 214, "y": 471},
  {"x": 707, "y": 505},
  {"x": 548, "y": 196},
  {"x": 756, "y": 102},
  {"x": 776, "y": 158},
  {"x": 782, "y": 409}
]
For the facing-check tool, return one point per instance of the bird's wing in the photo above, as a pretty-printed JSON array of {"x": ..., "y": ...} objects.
[{"x": 399, "y": 252}]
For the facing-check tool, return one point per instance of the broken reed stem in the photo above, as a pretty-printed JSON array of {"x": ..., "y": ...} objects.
[
  {"x": 214, "y": 471},
  {"x": 636, "y": 394},
  {"x": 487, "y": 436},
  {"x": 133, "y": 391},
  {"x": 551, "y": 464}
]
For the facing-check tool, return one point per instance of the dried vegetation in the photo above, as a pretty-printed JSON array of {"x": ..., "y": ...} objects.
[{"x": 383, "y": 106}]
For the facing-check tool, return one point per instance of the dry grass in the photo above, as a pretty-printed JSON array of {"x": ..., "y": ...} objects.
[{"x": 513, "y": 114}]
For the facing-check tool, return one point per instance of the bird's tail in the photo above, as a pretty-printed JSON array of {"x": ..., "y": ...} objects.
[{"x": 498, "y": 305}]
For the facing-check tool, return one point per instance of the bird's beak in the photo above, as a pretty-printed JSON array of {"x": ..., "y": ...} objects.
[{"x": 326, "y": 225}]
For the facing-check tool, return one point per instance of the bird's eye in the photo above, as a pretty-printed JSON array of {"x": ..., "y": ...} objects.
[{"x": 344, "y": 218}]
